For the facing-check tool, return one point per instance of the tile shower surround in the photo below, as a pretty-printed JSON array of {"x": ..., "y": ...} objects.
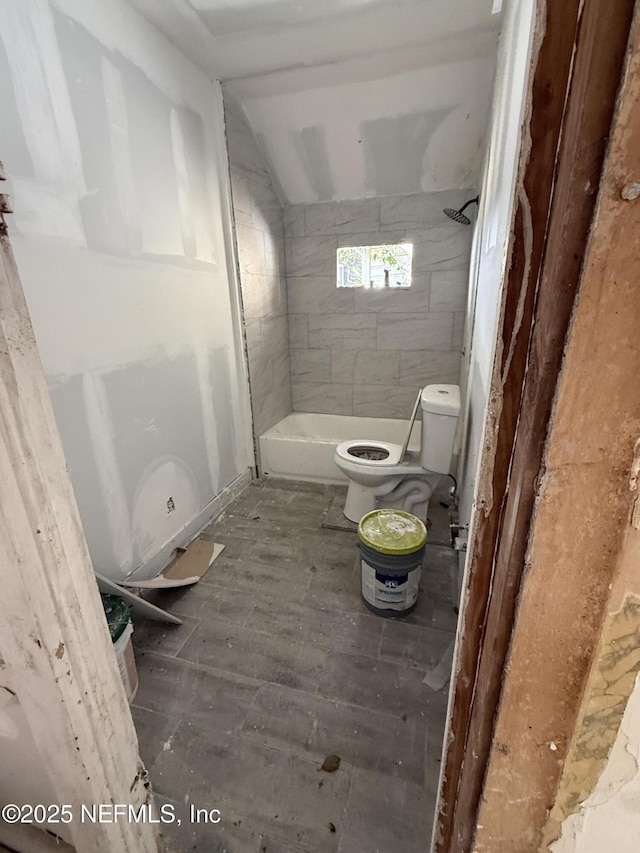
[
  {"x": 259, "y": 236},
  {"x": 357, "y": 351}
]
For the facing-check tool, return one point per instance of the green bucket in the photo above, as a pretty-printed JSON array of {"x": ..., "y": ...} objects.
[{"x": 119, "y": 621}]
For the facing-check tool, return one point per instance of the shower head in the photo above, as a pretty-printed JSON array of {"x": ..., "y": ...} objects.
[{"x": 458, "y": 215}]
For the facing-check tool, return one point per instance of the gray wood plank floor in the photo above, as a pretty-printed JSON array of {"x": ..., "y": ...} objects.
[{"x": 278, "y": 664}]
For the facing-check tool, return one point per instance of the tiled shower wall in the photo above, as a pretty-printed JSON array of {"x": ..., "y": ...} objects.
[
  {"x": 358, "y": 351},
  {"x": 260, "y": 241}
]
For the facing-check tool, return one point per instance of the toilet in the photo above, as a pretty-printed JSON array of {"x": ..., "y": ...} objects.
[{"x": 383, "y": 474}]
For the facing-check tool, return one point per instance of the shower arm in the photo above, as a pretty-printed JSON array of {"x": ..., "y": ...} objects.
[{"x": 475, "y": 200}]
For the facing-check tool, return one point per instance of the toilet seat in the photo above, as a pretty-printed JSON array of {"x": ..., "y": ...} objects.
[{"x": 361, "y": 451}]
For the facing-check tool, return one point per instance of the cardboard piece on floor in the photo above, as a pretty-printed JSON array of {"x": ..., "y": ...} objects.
[
  {"x": 139, "y": 606},
  {"x": 190, "y": 566}
]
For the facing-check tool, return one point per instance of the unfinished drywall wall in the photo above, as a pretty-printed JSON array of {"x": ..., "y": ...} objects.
[
  {"x": 347, "y": 141},
  {"x": 117, "y": 168},
  {"x": 366, "y": 351},
  {"x": 491, "y": 244},
  {"x": 259, "y": 234}
]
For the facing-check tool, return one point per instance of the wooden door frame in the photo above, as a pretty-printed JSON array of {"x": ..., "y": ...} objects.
[
  {"x": 54, "y": 638},
  {"x": 579, "y": 52}
]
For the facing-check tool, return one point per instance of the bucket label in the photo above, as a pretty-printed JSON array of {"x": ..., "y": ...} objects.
[{"x": 390, "y": 592}]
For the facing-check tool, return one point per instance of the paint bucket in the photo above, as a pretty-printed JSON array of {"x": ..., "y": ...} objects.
[
  {"x": 391, "y": 543},
  {"x": 121, "y": 630}
]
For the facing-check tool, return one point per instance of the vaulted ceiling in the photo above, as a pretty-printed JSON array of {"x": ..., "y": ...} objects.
[{"x": 350, "y": 98}]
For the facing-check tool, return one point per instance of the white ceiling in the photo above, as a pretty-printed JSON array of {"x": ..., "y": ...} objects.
[{"x": 410, "y": 76}]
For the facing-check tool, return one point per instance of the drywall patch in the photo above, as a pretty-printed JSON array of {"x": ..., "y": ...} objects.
[
  {"x": 310, "y": 144},
  {"x": 611, "y": 685},
  {"x": 395, "y": 150}
]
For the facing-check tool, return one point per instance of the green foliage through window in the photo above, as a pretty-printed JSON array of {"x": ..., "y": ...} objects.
[{"x": 375, "y": 266}]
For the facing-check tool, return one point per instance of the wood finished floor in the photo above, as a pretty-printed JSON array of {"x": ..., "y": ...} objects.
[{"x": 279, "y": 664}]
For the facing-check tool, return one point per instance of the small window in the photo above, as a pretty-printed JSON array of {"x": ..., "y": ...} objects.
[{"x": 375, "y": 266}]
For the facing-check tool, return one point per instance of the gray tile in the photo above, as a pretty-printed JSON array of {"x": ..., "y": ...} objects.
[
  {"x": 261, "y": 296},
  {"x": 458, "y": 330},
  {"x": 449, "y": 290},
  {"x": 154, "y": 730},
  {"x": 384, "y": 401},
  {"x": 152, "y": 636},
  {"x": 423, "y": 367},
  {"x": 293, "y": 216},
  {"x": 357, "y": 633},
  {"x": 381, "y": 685},
  {"x": 260, "y": 789},
  {"x": 274, "y": 255},
  {"x": 370, "y": 238},
  {"x": 335, "y": 518},
  {"x": 420, "y": 209},
  {"x": 326, "y": 397},
  {"x": 353, "y": 216},
  {"x": 290, "y": 670},
  {"x": 204, "y": 599},
  {"x": 342, "y": 336},
  {"x": 253, "y": 654},
  {"x": 384, "y": 817},
  {"x": 178, "y": 689},
  {"x": 394, "y": 300},
  {"x": 311, "y": 256},
  {"x": 313, "y": 365},
  {"x": 235, "y": 547},
  {"x": 251, "y": 253},
  {"x": 379, "y": 368},
  {"x": 241, "y": 196},
  {"x": 313, "y": 727},
  {"x": 266, "y": 209},
  {"x": 414, "y": 645},
  {"x": 439, "y": 570},
  {"x": 275, "y": 336},
  {"x": 343, "y": 362},
  {"x": 293, "y": 622},
  {"x": 350, "y": 322},
  {"x": 414, "y": 332},
  {"x": 298, "y": 330},
  {"x": 228, "y": 836},
  {"x": 286, "y": 578},
  {"x": 335, "y": 585},
  {"x": 328, "y": 629},
  {"x": 440, "y": 249},
  {"x": 318, "y": 295},
  {"x": 253, "y": 335},
  {"x": 244, "y": 153}
]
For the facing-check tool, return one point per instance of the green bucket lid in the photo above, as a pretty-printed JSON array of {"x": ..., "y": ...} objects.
[
  {"x": 117, "y": 612},
  {"x": 392, "y": 531}
]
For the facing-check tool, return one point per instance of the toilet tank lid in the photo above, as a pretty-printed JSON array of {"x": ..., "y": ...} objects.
[{"x": 441, "y": 400}]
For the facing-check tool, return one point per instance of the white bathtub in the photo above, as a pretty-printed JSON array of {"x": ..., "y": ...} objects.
[{"x": 301, "y": 446}]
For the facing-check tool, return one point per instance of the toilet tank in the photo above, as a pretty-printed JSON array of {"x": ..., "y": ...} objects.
[{"x": 440, "y": 409}]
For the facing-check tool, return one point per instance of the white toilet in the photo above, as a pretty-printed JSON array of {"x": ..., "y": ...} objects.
[{"x": 382, "y": 474}]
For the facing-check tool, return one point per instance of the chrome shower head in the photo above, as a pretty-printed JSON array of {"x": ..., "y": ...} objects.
[{"x": 458, "y": 215}]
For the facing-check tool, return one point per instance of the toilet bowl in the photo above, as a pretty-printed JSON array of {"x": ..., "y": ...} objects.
[{"x": 384, "y": 474}]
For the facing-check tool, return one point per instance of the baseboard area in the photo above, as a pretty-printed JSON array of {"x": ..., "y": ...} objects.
[{"x": 163, "y": 557}]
